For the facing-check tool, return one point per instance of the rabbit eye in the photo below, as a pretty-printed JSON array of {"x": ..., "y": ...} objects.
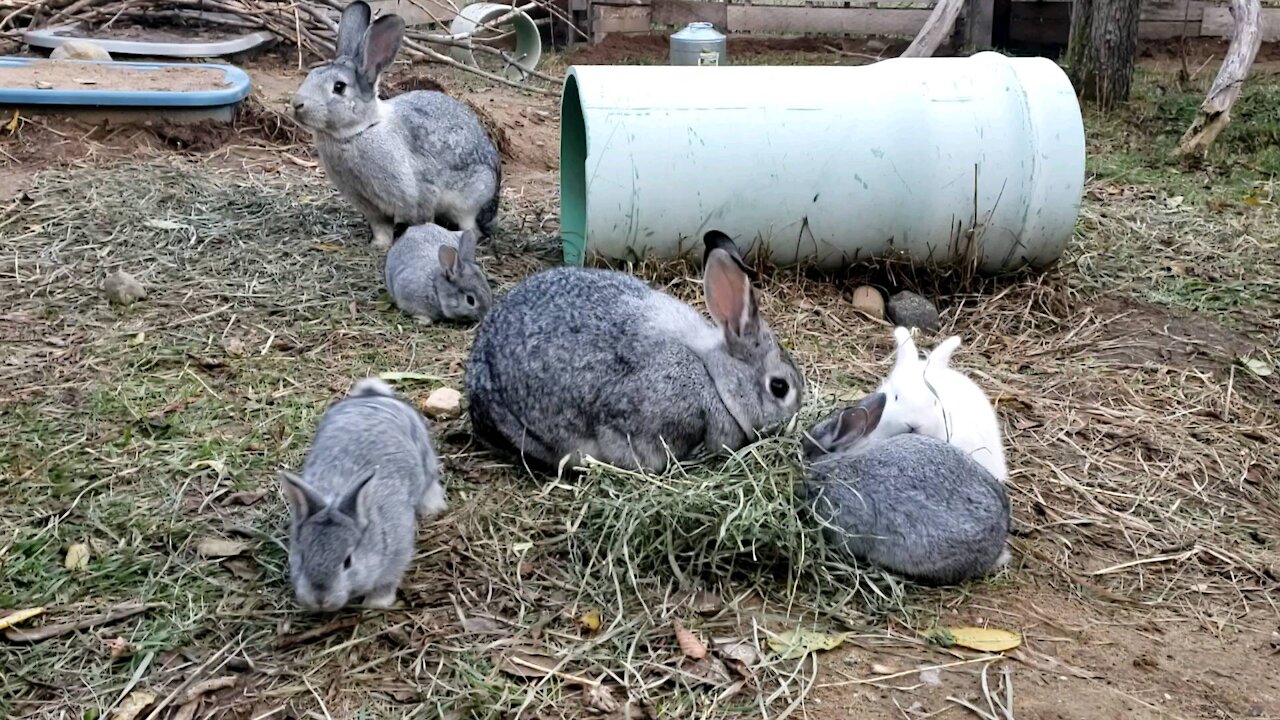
[
  {"x": 339, "y": 88},
  {"x": 778, "y": 387},
  {"x": 346, "y": 564},
  {"x": 471, "y": 300}
]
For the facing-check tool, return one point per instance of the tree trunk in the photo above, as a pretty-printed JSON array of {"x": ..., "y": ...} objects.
[
  {"x": 1215, "y": 111},
  {"x": 1101, "y": 49}
]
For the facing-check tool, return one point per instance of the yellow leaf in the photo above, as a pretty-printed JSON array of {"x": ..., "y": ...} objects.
[
  {"x": 18, "y": 616},
  {"x": 590, "y": 621},
  {"x": 220, "y": 548},
  {"x": 328, "y": 247},
  {"x": 798, "y": 643},
  {"x": 77, "y": 557},
  {"x": 133, "y": 705},
  {"x": 12, "y": 125},
  {"x": 975, "y": 638},
  {"x": 689, "y": 643}
]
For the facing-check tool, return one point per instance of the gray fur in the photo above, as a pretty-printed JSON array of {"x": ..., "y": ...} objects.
[
  {"x": 432, "y": 274},
  {"x": 417, "y": 158},
  {"x": 370, "y": 471},
  {"x": 910, "y": 504},
  {"x": 578, "y": 361}
]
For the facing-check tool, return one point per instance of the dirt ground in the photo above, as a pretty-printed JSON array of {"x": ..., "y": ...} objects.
[{"x": 1145, "y": 468}]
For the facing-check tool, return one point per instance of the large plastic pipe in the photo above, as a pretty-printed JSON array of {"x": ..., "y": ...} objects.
[{"x": 946, "y": 159}]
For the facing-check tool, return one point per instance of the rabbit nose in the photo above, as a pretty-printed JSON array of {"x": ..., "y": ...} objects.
[{"x": 298, "y": 103}]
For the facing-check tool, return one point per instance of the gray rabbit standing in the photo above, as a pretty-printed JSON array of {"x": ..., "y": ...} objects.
[
  {"x": 576, "y": 361},
  {"x": 370, "y": 471},
  {"x": 432, "y": 274},
  {"x": 910, "y": 503},
  {"x": 417, "y": 158}
]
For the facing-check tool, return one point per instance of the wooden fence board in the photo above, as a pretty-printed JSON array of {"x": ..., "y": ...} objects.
[
  {"x": 1218, "y": 22},
  {"x": 683, "y": 12},
  {"x": 840, "y": 21}
]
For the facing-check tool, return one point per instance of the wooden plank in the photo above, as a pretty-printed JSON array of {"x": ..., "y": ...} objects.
[
  {"x": 830, "y": 21},
  {"x": 683, "y": 12},
  {"x": 620, "y": 3},
  {"x": 607, "y": 19},
  {"x": 1218, "y": 23},
  {"x": 417, "y": 12},
  {"x": 1049, "y": 23},
  {"x": 1191, "y": 11},
  {"x": 979, "y": 22}
]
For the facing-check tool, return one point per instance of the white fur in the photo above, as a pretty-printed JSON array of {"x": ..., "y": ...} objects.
[{"x": 930, "y": 398}]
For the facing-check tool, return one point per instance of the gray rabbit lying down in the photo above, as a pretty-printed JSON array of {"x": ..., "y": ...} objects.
[
  {"x": 578, "y": 362},
  {"x": 370, "y": 471},
  {"x": 910, "y": 503},
  {"x": 419, "y": 157},
  {"x": 432, "y": 274}
]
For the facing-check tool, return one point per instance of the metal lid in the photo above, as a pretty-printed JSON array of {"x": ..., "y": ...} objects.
[{"x": 698, "y": 31}]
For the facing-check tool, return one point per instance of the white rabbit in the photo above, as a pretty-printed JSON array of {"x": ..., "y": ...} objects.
[{"x": 931, "y": 398}]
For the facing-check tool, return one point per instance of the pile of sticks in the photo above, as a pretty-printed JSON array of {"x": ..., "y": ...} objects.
[{"x": 308, "y": 25}]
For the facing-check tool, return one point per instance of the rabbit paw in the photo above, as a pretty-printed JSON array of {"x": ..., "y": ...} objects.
[
  {"x": 382, "y": 236},
  {"x": 381, "y": 598},
  {"x": 423, "y": 319},
  {"x": 432, "y": 502}
]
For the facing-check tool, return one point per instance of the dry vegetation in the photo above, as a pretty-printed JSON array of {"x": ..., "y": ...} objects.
[{"x": 1142, "y": 427}]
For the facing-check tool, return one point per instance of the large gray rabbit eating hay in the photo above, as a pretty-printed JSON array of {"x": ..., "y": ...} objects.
[
  {"x": 417, "y": 158},
  {"x": 578, "y": 361}
]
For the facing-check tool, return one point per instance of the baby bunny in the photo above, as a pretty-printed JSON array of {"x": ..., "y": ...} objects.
[
  {"x": 930, "y": 398},
  {"x": 432, "y": 275},
  {"x": 578, "y": 361},
  {"x": 420, "y": 157},
  {"x": 910, "y": 504},
  {"x": 371, "y": 468}
]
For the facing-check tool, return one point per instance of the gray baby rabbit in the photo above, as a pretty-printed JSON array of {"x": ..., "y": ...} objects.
[
  {"x": 371, "y": 468},
  {"x": 432, "y": 275},
  {"x": 417, "y": 158},
  {"x": 910, "y": 503},
  {"x": 576, "y": 361}
]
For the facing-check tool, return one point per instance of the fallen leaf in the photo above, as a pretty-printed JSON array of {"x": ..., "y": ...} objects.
[
  {"x": 220, "y": 548},
  {"x": 975, "y": 638},
  {"x": 1255, "y": 474},
  {"x": 689, "y": 643},
  {"x": 242, "y": 568},
  {"x": 234, "y": 346},
  {"x": 77, "y": 557},
  {"x": 527, "y": 664},
  {"x": 710, "y": 670},
  {"x": 797, "y": 643},
  {"x": 590, "y": 621},
  {"x": 481, "y": 625},
  {"x": 705, "y": 603},
  {"x": 18, "y": 616},
  {"x": 742, "y": 651},
  {"x": 601, "y": 699},
  {"x": 1256, "y": 366},
  {"x": 166, "y": 225},
  {"x": 138, "y": 339},
  {"x": 117, "y": 647},
  {"x": 133, "y": 705},
  {"x": 1174, "y": 202},
  {"x": 12, "y": 125},
  {"x": 42, "y": 85},
  {"x": 205, "y": 687},
  {"x": 46, "y": 632},
  {"x": 247, "y": 497},
  {"x": 882, "y": 669},
  {"x": 328, "y": 247},
  {"x": 931, "y": 676}
]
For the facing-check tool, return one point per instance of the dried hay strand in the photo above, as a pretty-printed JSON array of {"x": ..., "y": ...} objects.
[{"x": 723, "y": 519}]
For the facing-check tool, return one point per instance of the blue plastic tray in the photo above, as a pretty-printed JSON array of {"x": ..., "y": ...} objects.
[{"x": 234, "y": 92}]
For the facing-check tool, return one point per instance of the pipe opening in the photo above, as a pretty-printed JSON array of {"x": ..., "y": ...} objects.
[{"x": 573, "y": 174}]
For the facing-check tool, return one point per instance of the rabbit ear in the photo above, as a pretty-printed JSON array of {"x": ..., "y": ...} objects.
[
  {"x": 908, "y": 356},
  {"x": 715, "y": 239},
  {"x": 448, "y": 256},
  {"x": 355, "y": 20},
  {"x": 467, "y": 240},
  {"x": 352, "y": 506},
  {"x": 857, "y": 421},
  {"x": 730, "y": 298},
  {"x": 303, "y": 499},
  {"x": 941, "y": 355},
  {"x": 380, "y": 47}
]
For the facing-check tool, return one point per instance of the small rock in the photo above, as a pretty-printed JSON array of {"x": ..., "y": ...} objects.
[
  {"x": 876, "y": 45},
  {"x": 80, "y": 50},
  {"x": 443, "y": 403},
  {"x": 909, "y": 310},
  {"x": 123, "y": 289},
  {"x": 868, "y": 300}
]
